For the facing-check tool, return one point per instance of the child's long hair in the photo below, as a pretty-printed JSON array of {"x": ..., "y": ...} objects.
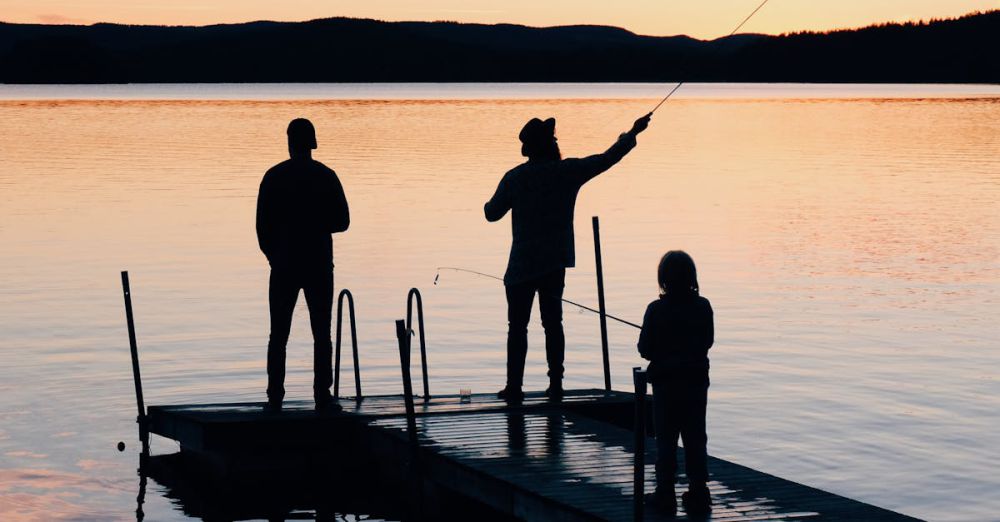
[{"x": 677, "y": 275}]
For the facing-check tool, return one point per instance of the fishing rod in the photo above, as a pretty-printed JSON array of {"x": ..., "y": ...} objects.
[
  {"x": 567, "y": 301},
  {"x": 682, "y": 82},
  {"x": 658, "y": 105}
]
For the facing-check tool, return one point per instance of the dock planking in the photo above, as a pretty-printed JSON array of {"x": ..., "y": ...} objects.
[
  {"x": 221, "y": 427},
  {"x": 535, "y": 461},
  {"x": 573, "y": 460}
]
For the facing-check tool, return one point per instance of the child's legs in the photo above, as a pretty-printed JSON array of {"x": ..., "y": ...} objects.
[
  {"x": 694, "y": 399},
  {"x": 665, "y": 415}
]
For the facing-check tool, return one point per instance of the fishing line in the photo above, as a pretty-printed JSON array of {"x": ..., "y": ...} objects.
[
  {"x": 567, "y": 301},
  {"x": 664, "y": 100},
  {"x": 682, "y": 82}
]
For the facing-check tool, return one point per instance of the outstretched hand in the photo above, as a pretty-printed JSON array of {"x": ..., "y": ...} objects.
[{"x": 641, "y": 124}]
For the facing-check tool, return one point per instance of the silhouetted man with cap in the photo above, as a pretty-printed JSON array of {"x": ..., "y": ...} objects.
[
  {"x": 541, "y": 195},
  {"x": 300, "y": 204}
]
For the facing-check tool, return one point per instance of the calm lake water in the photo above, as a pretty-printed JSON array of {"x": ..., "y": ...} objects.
[{"x": 848, "y": 237}]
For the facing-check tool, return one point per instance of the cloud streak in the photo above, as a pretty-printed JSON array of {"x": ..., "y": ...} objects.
[{"x": 57, "y": 19}]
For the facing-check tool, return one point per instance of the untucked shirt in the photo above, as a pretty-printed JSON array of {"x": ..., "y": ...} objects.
[
  {"x": 300, "y": 203},
  {"x": 541, "y": 196},
  {"x": 677, "y": 332}
]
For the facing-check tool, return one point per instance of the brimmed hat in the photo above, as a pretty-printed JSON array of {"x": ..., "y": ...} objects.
[
  {"x": 538, "y": 131},
  {"x": 301, "y": 133}
]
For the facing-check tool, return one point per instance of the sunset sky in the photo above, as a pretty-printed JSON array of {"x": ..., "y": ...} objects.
[{"x": 699, "y": 18}]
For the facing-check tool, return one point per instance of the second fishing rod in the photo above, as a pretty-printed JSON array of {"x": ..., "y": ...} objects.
[{"x": 601, "y": 310}]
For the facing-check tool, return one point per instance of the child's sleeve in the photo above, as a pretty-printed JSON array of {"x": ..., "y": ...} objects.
[
  {"x": 708, "y": 334},
  {"x": 647, "y": 336}
]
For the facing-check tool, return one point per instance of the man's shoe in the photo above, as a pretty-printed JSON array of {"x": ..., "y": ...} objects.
[
  {"x": 697, "y": 501},
  {"x": 328, "y": 405},
  {"x": 663, "y": 500},
  {"x": 511, "y": 395},
  {"x": 555, "y": 392},
  {"x": 272, "y": 406}
]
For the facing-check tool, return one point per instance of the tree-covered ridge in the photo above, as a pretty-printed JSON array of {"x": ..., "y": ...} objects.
[{"x": 359, "y": 50}]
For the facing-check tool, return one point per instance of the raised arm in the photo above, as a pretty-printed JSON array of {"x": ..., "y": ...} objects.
[
  {"x": 588, "y": 168},
  {"x": 498, "y": 206}
]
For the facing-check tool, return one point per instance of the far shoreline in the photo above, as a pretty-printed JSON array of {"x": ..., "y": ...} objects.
[{"x": 488, "y": 91}]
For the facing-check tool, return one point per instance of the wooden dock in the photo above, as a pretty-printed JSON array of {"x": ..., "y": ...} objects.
[
  {"x": 568, "y": 461},
  {"x": 585, "y": 458}
]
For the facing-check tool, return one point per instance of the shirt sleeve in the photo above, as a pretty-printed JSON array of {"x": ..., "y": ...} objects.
[
  {"x": 708, "y": 332},
  {"x": 498, "y": 206},
  {"x": 648, "y": 334},
  {"x": 265, "y": 218},
  {"x": 340, "y": 215},
  {"x": 585, "y": 169}
]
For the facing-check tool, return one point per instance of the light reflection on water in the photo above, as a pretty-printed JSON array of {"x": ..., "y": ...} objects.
[{"x": 849, "y": 243}]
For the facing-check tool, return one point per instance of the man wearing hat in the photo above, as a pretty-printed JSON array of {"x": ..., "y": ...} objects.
[
  {"x": 300, "y": 204},
  {"x": 541, "y": 194}
]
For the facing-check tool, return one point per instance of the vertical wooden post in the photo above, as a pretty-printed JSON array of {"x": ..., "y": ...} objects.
[
  {"x": 413, "y": 469},
  {"x": 136, "y": 377},
  {"x": 639, "y": 465},
  {"x": 600, "y": 303},
  {"x": 403, "y": 336}
]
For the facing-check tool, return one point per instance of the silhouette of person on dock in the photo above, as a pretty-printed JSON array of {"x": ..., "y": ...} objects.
[
  {"x": 300, "y": 204},
  {"x": 677, "y": 332},
  {"x": 541, "y": 195}
]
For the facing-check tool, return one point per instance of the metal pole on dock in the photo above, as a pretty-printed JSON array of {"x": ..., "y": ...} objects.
[
  {"x": 600, "y": 303},
  {"x": 136, "y": 377},
  {"x": 639, "y": 472},
  {"x": 403, "y": 336}
]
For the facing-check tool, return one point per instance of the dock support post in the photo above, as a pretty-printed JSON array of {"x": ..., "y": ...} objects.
[
  {"x": 403, "y": 336},
  {"x": 600, "y": 303},
  {"x": 639, "y": 472},
  {"x": 414, "y": 478},
  {"x": 414, "y": 293},
  {"x": 136, "y": 377},
  {"x": 354, "y": 345}
]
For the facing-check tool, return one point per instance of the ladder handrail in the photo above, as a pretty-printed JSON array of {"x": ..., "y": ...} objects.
[
  {"x": 409, "y": 329},
  {"x": 354, "y": 345}
]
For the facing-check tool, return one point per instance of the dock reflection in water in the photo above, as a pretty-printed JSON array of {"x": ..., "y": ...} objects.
[{"x": 262, "y": 496}]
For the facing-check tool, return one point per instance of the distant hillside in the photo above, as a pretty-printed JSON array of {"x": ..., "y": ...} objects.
[{"x": 355, "y": 50}]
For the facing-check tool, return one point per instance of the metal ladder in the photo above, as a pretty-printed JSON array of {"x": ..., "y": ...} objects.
[
  {"x": 354, "y": 345},
  {"x": 414, "y": 293}
]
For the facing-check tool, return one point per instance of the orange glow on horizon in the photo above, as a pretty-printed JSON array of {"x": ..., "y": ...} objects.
[{"x": 698, "y": 19}]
